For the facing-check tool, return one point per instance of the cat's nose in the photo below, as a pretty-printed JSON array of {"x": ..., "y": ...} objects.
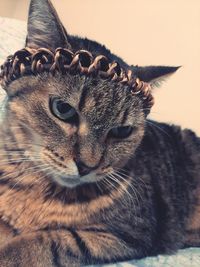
[{"x": 82, "y": 168}]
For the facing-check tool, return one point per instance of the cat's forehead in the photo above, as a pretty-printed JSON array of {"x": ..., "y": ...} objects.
[
  {"x": 96, "y": 99},
  {"x": 92, "y": 97},
  {"x": 87, "y": 90}
]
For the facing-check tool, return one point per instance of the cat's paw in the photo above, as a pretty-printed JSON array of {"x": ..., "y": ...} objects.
[{"x": 23, "y": 252}]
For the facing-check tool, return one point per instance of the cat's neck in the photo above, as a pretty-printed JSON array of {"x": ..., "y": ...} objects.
[{"x": 28, "y": 207}]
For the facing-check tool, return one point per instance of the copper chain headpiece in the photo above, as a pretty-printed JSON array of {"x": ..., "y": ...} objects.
[{"x": 32, "y": 62}]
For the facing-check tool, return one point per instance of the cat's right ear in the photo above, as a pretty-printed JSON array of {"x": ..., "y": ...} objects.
[
  {"x": 154, "y": 75},
  {"x": 44, "y": 27}
]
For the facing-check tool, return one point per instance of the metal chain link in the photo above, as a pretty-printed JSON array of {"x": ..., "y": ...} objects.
[{"x": 32, "y": 62}]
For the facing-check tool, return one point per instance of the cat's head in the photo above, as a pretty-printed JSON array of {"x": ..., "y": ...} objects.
[{"x": 77, "y": 128}]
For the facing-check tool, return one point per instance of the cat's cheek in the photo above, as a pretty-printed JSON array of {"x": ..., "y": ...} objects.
[{"x": 115, "y": 158}]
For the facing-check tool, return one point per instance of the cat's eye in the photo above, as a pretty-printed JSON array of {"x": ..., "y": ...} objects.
[
  {"x": 63, "y": 110},
  {"x": 120, "y": 132}
]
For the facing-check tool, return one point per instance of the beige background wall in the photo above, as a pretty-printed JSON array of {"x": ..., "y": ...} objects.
[{"x": 142, "y": 32}]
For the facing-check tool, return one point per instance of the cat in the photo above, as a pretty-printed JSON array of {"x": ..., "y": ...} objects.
[{"x": 85, "y": 177}]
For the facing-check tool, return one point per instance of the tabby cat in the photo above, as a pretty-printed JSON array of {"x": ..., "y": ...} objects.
[{"x": 85, "y": 177}]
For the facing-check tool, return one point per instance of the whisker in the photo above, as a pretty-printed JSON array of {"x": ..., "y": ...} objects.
[
  {"x": 99, "y": 187},
  {"x": 122, "y": 189},
  {"x": 111, "y": 176},
  {"x": 125, "y": 174},
  {"x": 159, "y": 128},
  {"x": 25, "y": 171},
  {"x": 128, "y": 183},
  {"x": 21, "y": 144},
  {"x": 109, "y": 183},
  {"x": 19, "y": 162},
  {"x": 130, "y": 186},
  {"x": 19, "y": 181}
]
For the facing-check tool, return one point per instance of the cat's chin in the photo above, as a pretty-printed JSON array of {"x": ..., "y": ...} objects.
[
  {"x": 75, "y": 181},
  {"x": 69, "y": 182}
]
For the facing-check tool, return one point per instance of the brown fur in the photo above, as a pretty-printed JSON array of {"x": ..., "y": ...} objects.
[{"x": 141, "y": 195}]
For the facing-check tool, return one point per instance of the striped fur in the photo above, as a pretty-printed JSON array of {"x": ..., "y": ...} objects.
[
  {"x": 153, "y": 209},
  {"x": 141, "y": 196}
]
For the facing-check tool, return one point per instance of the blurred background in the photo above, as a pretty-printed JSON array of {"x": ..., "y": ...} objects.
[{"x": 143, "y": 32}]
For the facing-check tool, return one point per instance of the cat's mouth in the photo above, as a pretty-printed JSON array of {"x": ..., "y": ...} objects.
[
  {"x": 70, "y": 182},
  {"x": 73, "y": 174},
  {"x": 76, "y": 180}
]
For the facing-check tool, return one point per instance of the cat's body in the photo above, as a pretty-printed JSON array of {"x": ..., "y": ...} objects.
[
  {"x": 159, "y": 215},
  {"x": 149, "y": 205}
]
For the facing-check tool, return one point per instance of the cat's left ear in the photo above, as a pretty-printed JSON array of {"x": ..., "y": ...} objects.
[
  {"x": 154, "y": 75},
  {"x": 44, "y": 27}
]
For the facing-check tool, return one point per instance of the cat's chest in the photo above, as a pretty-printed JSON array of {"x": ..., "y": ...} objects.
[{"x": 28, "y": 213}]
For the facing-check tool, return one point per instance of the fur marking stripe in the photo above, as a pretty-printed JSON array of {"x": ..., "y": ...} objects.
[
  {"x": 55, "y": 255},
  {"x": 82, "y": 246}
]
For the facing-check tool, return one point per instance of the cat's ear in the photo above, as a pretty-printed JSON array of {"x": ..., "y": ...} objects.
[
  {"x": 44, "y": 26},
  {"x": 154, "y": 74}
]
